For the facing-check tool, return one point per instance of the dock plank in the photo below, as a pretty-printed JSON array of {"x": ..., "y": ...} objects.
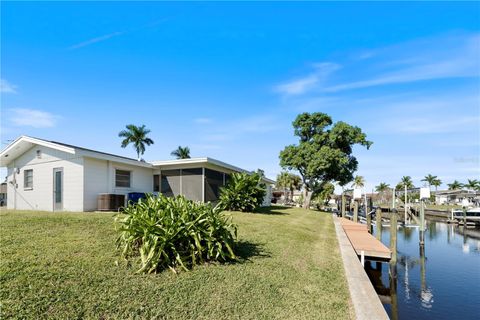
[{"x": 361, "y": 240}]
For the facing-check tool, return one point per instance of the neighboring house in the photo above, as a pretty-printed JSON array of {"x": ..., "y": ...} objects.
[
  {"x": 460, "y": 197},
  {"x": 3, "y": 194},
  {"x": 54, "y": 176}
]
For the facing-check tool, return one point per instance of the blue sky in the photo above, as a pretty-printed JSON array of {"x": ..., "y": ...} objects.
[{"x": 227, "y": 79}]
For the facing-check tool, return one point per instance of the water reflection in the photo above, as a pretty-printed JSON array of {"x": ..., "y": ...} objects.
[{"x": 436, "y": 280}]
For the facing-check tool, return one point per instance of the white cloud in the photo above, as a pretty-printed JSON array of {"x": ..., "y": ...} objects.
[
  {"x": 202, "y": 120},
  {"x": 95, "y": 40},
  {"x": 298, "y": 86},
  {"x": 33, "y": 118},
  {"x": 7, "y": 87},
  {"x": 302, "y": 85}
]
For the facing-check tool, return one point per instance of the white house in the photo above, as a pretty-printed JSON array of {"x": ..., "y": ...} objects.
[
  {"x": 54, "y": 176},
  {"x": 459, "y": 197}
]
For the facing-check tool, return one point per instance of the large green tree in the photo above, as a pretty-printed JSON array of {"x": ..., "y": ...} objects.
[
  {"x": 181, "y": 152},
  {"x": 323, "y": 153},
  {"x": 136, "y": 136}
]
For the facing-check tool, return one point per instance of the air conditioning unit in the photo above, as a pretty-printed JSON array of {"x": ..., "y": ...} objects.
[{"x": 110, "y": 202}]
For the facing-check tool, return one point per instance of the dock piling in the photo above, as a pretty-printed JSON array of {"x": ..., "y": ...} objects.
[
  {"x": 393, "y": 235},
  {"x": 378, "y": 219},
  {"x": 355, "y": 211},
  {"x": 421, "y": 232},
  {"x": 369, "y": 221}
]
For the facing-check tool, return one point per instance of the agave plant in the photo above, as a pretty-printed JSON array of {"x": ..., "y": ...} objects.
[
  {"x": 244, "y": 192},
  {"x": 173, "y": 232}
]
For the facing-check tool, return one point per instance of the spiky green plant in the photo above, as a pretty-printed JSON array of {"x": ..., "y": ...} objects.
[
  {"x": 176, "y": 233},
  {"x": 244, "y": 192}
]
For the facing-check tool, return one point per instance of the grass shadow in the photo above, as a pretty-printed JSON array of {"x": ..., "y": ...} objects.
[
  {"x": 273, "y": 210},
  {"x": 246, "y": 250}
]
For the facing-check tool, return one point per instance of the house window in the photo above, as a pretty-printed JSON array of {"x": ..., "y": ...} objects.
[
  {"x": 28, "y": 179},
  {"x": 122, "y": 178}
]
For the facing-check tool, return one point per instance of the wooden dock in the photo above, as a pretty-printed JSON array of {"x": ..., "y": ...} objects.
[{"x": 363, "y": 242}]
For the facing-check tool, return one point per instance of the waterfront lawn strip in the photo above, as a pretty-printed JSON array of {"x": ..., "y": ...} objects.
[{"x": 65, "y": 265}]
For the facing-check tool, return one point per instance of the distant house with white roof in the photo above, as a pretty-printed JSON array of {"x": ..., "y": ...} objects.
[{"x": 460, "y": 197}]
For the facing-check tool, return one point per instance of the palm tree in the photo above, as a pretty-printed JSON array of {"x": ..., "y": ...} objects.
[
  {"x": 381, "y": 188},
  {"x": 358, "y": 182},
  {"x": 436, "y": 183},
  {"x": 137, "y": 136},
  {"x": 294, "y": 183},
  {"x": 181, "y": 153},
  {"x": 429, "y": 179},
  {"x": 288, "y": 181},
  {"x": 455, "y": 185},
  {"x": 472, "y": 184},
  {"x": 282, "y": 183},
  {"x": 406, "y": 181}
]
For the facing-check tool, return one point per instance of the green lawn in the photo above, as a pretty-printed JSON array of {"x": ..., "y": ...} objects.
[{"x": 64, "y": 265}]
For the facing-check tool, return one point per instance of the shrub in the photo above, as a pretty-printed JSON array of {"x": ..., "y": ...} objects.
[
  {"x": 244, "y": 192},
  {"x": 174, "y": 232}
]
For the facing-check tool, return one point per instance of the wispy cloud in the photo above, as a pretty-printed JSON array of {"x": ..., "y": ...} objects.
[
  {"x": 96, "y": 40},
  {"x": 7, "y": 87},
  {"x": 451, "y": 56},
  {"x": 304, "y": 84},
  {"x": 415, "y": 125},
  {"x": 33, "y": 118},
  {"x": 202, "y": 120}
]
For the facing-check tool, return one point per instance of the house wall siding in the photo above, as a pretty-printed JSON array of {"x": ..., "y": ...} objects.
[
  {"x": 100, "y": 178},
  {"x": 40, "y": 197}
]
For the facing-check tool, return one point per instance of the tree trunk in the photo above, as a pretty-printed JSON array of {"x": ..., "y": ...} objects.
[{"x": 307, "y": 197}]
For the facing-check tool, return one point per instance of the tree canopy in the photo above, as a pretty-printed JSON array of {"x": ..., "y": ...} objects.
[
  {"x": 472, "y": 184},
  {"x": 430, "y": 179},
  {"x": 455, "y": 185},
  {"x": 406, "y": 181},
  {"x": 288, "y": 181},
  {"x": 181, "y": 152},
  {"x": 136, "y": 136},
  {"x": 324, "y": 151},
  {"x": 382, "y": 187},
  {"x": 358, "y": 182}
]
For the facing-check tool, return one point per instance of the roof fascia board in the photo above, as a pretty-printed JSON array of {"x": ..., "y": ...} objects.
[
  {"x": 44, "y": 143},
  {"x": 101, "y": 156}
]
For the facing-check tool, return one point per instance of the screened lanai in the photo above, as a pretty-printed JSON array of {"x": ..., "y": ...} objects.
[{"x": 198, "y": 179}]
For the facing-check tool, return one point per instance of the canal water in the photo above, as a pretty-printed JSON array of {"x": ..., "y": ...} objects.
[{"x": 440, "y": 282}]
